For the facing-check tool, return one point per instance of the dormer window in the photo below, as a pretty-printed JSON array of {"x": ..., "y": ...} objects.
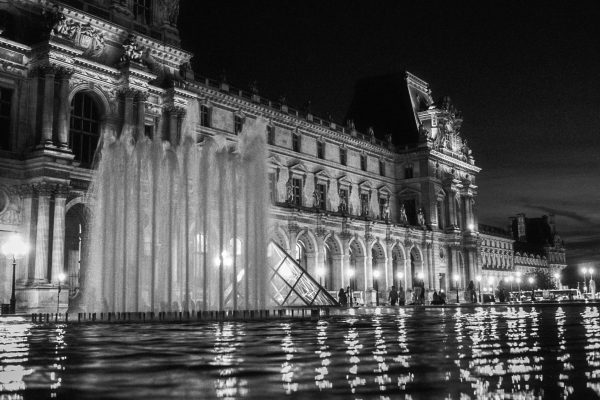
[
  {"x": 238, "y": 123},
  {"x": 142, "y": 11},
  {"x": 320, "y": 149}
]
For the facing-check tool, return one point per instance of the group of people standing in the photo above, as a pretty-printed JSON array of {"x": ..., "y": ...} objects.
[{"x": 396, "y": 296}]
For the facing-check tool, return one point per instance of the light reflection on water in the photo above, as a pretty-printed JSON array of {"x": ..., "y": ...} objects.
[{"x": 512, "y": 352}]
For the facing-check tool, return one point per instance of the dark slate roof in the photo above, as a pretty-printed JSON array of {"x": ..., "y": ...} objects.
[{"x": 384, "y": 103}]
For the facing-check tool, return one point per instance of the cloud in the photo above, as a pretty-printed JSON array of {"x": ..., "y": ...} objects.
[{"x": 564, "y": 213}]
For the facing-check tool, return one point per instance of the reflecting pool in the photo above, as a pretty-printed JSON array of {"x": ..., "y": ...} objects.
[{"x": 496, "y": 352}]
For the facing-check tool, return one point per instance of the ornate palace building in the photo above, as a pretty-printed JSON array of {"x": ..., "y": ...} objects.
[{"x": 353, "y": 209}]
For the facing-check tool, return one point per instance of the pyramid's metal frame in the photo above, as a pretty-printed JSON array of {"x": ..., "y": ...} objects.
[{"x": 292, "y": 286}]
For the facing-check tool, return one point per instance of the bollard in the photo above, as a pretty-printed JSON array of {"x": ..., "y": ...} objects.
[
  {"x": 66, "y": 317},
  {"x": 94, "y": 317},
  {"x": 78, "y": 317}
]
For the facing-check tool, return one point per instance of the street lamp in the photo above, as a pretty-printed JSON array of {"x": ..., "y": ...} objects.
[
  {"x": 584, "y": 271},
  {"x": 557, "y": 277},
  {"x": 61, "y": 279},
  {"x": 491, "y": 283},
  {"x": 320, "y": 273},
  {"x": 400, "y": 276},
  {"x": 510, "y": 280},
  {"x": 518, "y": 279},
  {"x": 478, "y": 279},
  {"x": 531, "y": 281},
  {"x": 376, "y": 286},
  {"x": 350, "y": 275},
  {"x": 593, "y": 292},
  {"x": 14, "y": 247},
  {"x": 456, "y": 279}
]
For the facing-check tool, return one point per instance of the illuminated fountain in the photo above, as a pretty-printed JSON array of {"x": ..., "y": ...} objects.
[
  {"x": 164, "y": 219},
  {"x": 184, "y": 227}
]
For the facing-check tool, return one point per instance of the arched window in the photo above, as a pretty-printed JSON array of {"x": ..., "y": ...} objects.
[{"x": 85, "y": 128}]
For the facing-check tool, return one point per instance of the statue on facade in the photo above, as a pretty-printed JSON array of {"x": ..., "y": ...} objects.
[
  {"x": 343, "y": 207},
  {"x": 131, "y": 50},
  {"x": 403, "y": 216},
  {"x": 169, "y": 10},
  {"x": 290, "y": 191},
  {"x": 421, "y": 216},
  {"x": 316, "y": 199},
  {"x": 386, "y": 211}
]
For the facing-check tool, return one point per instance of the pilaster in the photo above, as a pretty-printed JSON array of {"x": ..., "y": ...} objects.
[
  {"x": 42, "y": 234},
  {"x": 58, "y": 233}
]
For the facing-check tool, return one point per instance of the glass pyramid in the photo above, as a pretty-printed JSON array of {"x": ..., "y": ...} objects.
[{"x": 290, "y": 285}]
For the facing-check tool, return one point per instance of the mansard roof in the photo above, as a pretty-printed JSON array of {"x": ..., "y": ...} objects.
[{"x": 385, "y": 103}]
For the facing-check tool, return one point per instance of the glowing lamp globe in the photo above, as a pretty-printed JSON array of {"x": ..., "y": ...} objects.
[
  {"x": 456, "y": 277},
  {"x": 376, "y": 274},
  {"x": 14, "y": 246}
]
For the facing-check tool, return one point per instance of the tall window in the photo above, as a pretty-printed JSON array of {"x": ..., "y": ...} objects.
[
  {"x": 5, "y": 106},
  {"x": 238, "y": 122},
  {"x": 142, "y": 11},
  {"x": 408, "y": 172},
  {"x": 85, "y": 128},
  {"x": 149, "y": 131},
  {"x": 297, "y": 191},
  {"x": 364, "y": 204},
  {"x": 440, "y": 214},
  {"x": 382, "y": 207},
  {"x": 322, "y": 193},
  {"x": 296, "y": 142},
  {"x": 343, "y": 156},
  {"x": 381, "y": 167},
  {"x": 273, "y": 187},
  {"x": 410, "y": 207},
  {"x": 363, "y": 162},
  {"x": 270, "y": 134},
  {"x": 320, "y": 149},
  {"x": 205, "y": 115},
  {"x": 343, "y": 200}
]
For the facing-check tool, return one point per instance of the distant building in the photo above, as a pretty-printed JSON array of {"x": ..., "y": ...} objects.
[
  {"x": 529, "y": 245},
  {"x": 537, "y": 245}
]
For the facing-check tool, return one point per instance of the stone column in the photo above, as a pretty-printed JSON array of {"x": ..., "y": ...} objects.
[
  {"x": 452, "y": 211},
  {"x": 42, "y": 234},
  {"x": 338, "y": 272},
  {"x": 173, "y": 126},
  {"x": 389, "y": 267},
  {"x": 128, "y": 95},
  {"x": 141, "y": 114},
  {"x": 311, "y": 265},
  {"x": 27, "y": 193},
  {"x": 345, "y": 268},
  {"x": 58, "y": 234},
  {"x": 63, "y": 109},
  {"x": 48, "y": 105}
]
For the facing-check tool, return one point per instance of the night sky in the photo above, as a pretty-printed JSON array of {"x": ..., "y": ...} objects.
[{"x": 526, "y": 76}]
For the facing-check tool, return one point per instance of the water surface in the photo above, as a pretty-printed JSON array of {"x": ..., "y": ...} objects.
[{"x": 409, "y": 353}]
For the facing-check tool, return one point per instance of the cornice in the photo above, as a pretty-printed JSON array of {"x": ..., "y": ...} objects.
[{"x": 448, "y": 159}]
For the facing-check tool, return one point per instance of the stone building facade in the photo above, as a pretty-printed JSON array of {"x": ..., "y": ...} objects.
[{"x": 353, "y": 209}]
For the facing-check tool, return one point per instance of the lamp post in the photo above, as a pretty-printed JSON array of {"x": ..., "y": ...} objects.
[
  {"x": 320, "y": 273},
  {"x": 350, "y": 275},
  {"x": 592, "y": 288},
  {"x": 478, "y": 279},
  {"x": 376, "y": 286},
  {"x": 491, "y": 283},
  {"x": 584, "y": 271},
  {"x": 531, "y": 281},
  {"x": 14, "y": 247},
  {"x": 61, "y": 279},
  {"x": 518, "y": 280},
  {"x": 400, "y": 276},
  {"x": 557, "y": 277},
  {"x": 456, "y": 279}
]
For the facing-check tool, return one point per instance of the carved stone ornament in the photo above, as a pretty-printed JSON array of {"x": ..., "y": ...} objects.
[
  {"x": 131, "y": 51},
  {"x": 82, "y": 35},
  {"x": 169, "y": 10},
  {"x": 10, "y": 213}
]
